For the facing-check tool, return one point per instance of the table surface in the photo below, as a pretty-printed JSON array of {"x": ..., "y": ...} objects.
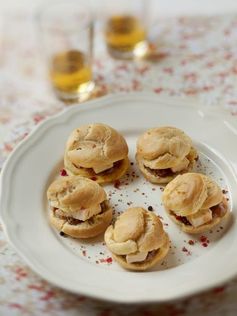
[
  {"x": 196, "y": 58},
  {"x": 160, "y": 7}
]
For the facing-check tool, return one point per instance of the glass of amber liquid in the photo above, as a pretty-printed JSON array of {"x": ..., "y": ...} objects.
[
  {"x": 66, "y": 30},
  {"x": 125, "y": 28}
]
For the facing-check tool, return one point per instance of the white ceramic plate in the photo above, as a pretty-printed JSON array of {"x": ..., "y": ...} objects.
[{"x": 83, "y": 267}]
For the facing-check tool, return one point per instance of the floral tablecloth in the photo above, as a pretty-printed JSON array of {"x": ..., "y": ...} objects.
[{"x": 194, "y": 57}]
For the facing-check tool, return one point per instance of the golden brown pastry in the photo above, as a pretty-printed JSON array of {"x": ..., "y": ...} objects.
[
  {"x": 163, "y": 153},
  {"x": 137, "y": 239},
  {"x": 195, "y": 202},
  {"x": 78, "y": 207},
  {"x": 98, "y": 152}
]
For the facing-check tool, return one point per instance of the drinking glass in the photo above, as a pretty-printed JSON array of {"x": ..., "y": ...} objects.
[
  {"x": 125, "y": 28},
  {"x": 66, "y": 34}
]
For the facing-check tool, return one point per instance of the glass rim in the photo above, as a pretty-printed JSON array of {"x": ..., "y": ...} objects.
[{"x": 42, "y": 10}]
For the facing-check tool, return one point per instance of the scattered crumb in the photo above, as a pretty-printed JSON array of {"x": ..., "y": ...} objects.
[
  {"x": 63, "y": 173},
  {"x": 184, "y": 249}
]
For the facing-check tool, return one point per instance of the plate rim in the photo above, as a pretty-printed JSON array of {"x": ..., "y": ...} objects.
[{"x": 66, "y": 113}]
